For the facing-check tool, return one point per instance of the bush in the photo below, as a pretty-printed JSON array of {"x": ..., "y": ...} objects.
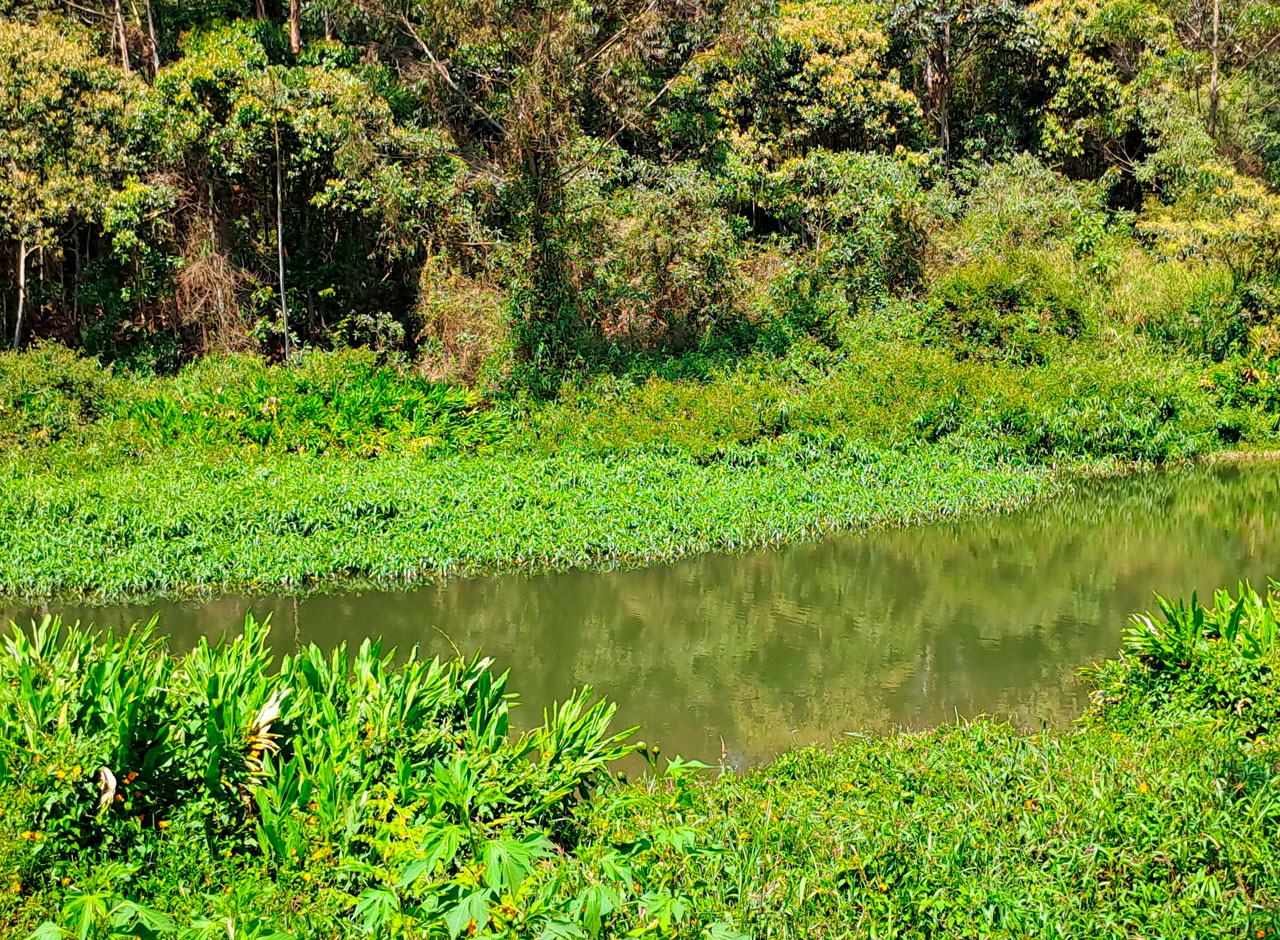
[
  {"x": 1193, "y": 663},
  {"x": 1023, "y": 205},
  {"x": 49, "y": 392},
  {"x": 401, "y": 784},
  {"x": 858, "y": 224},
  {"x": 321, "y": 403},
  {"x": 1013, "y": 310},
  {"x": 670, "y": 276}
]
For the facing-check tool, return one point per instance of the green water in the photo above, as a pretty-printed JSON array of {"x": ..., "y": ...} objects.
[{"x": 742, "y": 656}]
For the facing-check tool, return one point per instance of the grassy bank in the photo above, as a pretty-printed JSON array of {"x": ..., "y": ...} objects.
[
  {"x": 234, "y": 474},
  {"x": 217, "y": 795}
]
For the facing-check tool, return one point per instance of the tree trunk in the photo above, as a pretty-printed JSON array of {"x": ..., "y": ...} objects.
[
  {"x": 155, "y": 44},
  {"x": 295, "y": 26},
  {"x": 937, "y": 85},
  {"x": 22, "y": 291},
  {"x": 944, "y": 94},
  {"x": 124, "y": 40},
  {"x": 1216, "y": 57},
  {"x": 284, "y": 306}
]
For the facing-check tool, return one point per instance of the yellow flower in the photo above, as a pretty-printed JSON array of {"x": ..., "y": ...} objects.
[
  {"x": 77, "y": 770},
  {"x": 306, "y": 876},
  {"x": 66, "y": 881},
  {"x": 1143, "y": 788},
  {"x": 861, "y": 811},
  {"x": 883, "y": 886},
  {"x": 60, "y": 775},
  {"x": 162, "y": 824}
]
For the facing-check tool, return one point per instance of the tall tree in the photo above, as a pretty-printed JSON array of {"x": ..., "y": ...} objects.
[
  {"x": 947, "y": 35},
  {"x": 63, "y": 120},
  {"x": 537, "y": 89}
]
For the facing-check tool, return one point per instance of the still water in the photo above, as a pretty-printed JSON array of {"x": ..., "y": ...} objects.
[{"x": 743, "y": 656}]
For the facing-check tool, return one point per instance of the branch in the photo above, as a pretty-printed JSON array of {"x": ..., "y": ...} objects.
[
  {"x": 615, "y": 38},
  {"x": 444, "y": 73}
]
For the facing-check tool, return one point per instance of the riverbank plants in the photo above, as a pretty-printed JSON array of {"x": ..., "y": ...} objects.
[
  {"x": 227, "y": 793},
  {"x": 340, "y": 468}
]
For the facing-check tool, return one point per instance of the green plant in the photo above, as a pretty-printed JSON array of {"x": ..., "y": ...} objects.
[{"x": 1014, "y": 309}]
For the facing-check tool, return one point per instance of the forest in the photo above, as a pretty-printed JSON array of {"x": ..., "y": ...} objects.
[{"x": 510, "y": 195}]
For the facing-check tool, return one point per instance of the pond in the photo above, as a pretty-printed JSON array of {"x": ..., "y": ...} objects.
[{"x": 740, "y": 657}]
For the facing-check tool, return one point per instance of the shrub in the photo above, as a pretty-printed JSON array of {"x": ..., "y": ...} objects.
[
  {"x": 671, "y": 272},
  {"x": 50, "y": 392},
  {"x": 323, "y": 402},
  {"x": 1193, "y": 662},
  {"x": 1022, "y": 204},
  {"x": 1004, "y": 309},
  {"x": 402, "y": 785},
  {"x": 466, "y": 333}
]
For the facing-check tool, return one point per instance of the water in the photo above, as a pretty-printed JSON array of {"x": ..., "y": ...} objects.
[{"x": 743, "y": 656}]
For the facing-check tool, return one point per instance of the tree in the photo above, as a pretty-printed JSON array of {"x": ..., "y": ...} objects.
[
  {"x": 1111, "y": 94},
  {"x": 533, "y": 92},
  {"x": 1220, "y": 216},
  {"x": 810, "y": 75},
  {"x": 300, "y": 179},
  {"x": 947, "y": 35},
  {"x": 64, "y": 115}
]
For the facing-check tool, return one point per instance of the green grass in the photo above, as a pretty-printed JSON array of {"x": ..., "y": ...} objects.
[{"x": 328, "y": 797}]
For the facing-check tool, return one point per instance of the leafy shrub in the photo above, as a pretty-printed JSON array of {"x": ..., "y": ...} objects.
[
  {"x": 1013, "y": 309},
  {"x": 1023, "y": 204},
  {"x": 324, "y": 402},
  {"x": 1193, "y": 664},
  {"x": 863, "y": 215},
  {"x": 50, "y": 392},
  {"x": 1183, "y": 305},
  {"x": 402, "y": 785},
  {"x": 465, "y": 332},
  {"x": 670, "y": 274}
]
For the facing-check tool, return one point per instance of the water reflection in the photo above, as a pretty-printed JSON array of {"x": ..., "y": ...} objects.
[{"x": 752, "y": 653}]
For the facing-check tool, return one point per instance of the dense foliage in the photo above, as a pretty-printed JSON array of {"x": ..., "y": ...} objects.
[
  {"x": 214, "y": 795},
  {"x": 493, "y": 190}
]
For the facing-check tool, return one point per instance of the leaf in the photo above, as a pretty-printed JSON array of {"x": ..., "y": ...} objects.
[
  {"x": 473, "y": 907},
  {"x": 508, "y": 861},
  {"x": 375, "y": 907},
  {"x": 560, "y": 929},
  {"x": 439, "y": 846},
  {"x": 48, "y": 931},
  {"x": 594, "y": 904},
  {"x": 141, "y": 920},
  {"x": 724, "y": 931}
]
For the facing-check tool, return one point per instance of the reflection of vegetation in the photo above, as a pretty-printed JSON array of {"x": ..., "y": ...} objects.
[{"x": 900, "y": 626}]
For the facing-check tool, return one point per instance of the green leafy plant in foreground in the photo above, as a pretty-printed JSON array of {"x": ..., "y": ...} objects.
[
  {"x": 401, "y": 785},
  {"x": 339, "y": 795}
]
